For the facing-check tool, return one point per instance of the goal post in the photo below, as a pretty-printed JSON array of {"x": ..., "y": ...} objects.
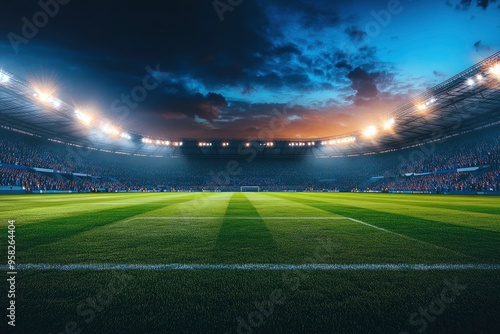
[{"x": 250, "y": 189}]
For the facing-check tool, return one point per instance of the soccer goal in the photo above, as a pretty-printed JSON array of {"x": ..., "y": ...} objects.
[{"x": 250, "y": 188}]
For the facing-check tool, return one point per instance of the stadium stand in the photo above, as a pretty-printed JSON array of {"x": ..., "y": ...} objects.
[{"x": 466, "y": 163}]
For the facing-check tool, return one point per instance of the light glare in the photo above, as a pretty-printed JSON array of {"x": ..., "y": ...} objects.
[
  {"x": 370, "y": 131},
  {"x": 389, "y": 124},
  {"x": 4, "y": 78}
]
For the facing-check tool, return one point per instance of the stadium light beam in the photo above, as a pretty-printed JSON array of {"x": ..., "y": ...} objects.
[
  {"x": 4, "y": 78},
  {"x": 55, "y": 102},
  {"x": 85, "y": 119},
  {"x": 389, "y": 124},
  {"x": 495, "y": 70},
  {"x": 125, "y": 135},
  {"x": 43, "y": 97},
  {"x": 110, "y": 130},
  {"x": 370, "y": 131}
]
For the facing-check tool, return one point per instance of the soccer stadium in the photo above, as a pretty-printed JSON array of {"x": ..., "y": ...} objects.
[{"x": 257, "y": 179}]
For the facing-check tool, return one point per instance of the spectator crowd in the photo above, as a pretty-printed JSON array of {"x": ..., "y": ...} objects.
[{"x": 20, "y": 153}]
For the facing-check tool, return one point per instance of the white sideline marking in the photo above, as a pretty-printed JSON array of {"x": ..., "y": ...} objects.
[
  {"x": 409, "y": 238},
  {"x": 238, "y": 217},
  {"x": 256, "y": 266}
]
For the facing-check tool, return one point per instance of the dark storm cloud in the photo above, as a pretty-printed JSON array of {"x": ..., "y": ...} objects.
[
  {"x": 343, "y": 64},
  {"x": 479, "y": 46},
  {"x": 286, "y": 51},
  {"x": 466, "y": 4},
  {"x": 355, "y": 34},
  {"x": 178, "y": 102},
  {"x": 463, "y": 5},
  {"x": 316, "y": 15},
  {"x": 439, "y": 74},
  {"x": 313, "y": 53},
  {"x": 364, "y": 84}
]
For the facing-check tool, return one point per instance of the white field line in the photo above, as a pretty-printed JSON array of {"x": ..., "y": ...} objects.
[
  {"x": 238, "y": 217},
  {"x": 409, "y": 238},
  {"x": 304, "y": 218},
  {"x": 256, "y": 266}
]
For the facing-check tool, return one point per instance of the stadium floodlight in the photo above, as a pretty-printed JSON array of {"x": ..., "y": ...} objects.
[
  {"x": 389, "y": 124},
  {"x": 370, "y": 131},
  {"x": 111, "y": 130},
  {"x": 48, "y": 99},
  {"x": 85, "y": 119},
  {"x": 422, "y": 107},
  {"x": 55, "y": 102},
  {"x": 125, "y": 135},
  {"x": 479, "y": 77},
  {"x": 470, "y": 82},
  {"x": 147, "y": 140},
  {"x": 43, "y": 97},
  {"x": 225, "y": 144},
  {"x": 495, "y": 70},
  {"x": 4, "y": 78}
]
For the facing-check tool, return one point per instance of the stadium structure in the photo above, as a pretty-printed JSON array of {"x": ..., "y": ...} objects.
[
  {"x": 190, "y": 235},
  {"x": 468, "y": 101},
  {"x": 465, "y": 107}
]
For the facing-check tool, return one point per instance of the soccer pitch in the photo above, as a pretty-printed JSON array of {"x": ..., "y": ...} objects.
[{"x": 254, "y": 263}]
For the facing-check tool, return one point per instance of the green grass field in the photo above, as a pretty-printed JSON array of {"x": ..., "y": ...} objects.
[{"x": 208, "y": 238}]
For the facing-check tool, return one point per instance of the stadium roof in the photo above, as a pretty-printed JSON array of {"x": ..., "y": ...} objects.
[{"x": 465, "y": 102}]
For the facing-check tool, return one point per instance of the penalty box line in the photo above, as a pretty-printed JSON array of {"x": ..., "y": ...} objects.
[
  {"x": 238, "y": 217},
  {"x": 257, "y": 267},
  {"x": 410, "y": 238}
]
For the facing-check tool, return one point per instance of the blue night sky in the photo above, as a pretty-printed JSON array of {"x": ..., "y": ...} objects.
[{"x": 330, "y": 67}]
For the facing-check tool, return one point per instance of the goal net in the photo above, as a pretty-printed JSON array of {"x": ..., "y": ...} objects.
[{"x": 250, "y": 188}]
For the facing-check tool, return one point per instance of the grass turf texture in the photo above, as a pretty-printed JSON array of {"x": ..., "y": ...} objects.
[{"x": 206, "y": 228}]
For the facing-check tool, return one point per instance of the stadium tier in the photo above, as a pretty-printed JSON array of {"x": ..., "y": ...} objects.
[
  {"x": 469, "y": 162},
  {"x": 444, "y": 140}
]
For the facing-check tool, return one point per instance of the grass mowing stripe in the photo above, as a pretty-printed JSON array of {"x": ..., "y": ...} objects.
[
  {"x": 257, "y": 266},
  {"x": 478, "y": 243},
  {"x": 30, "y": 203},
  {"x": 251, "y": 238},
  {"x": 49, "y": 231},
  {"x": 490, "y": 210},
  {"x": 41, "y": 211},
  {"x": 409, "y": 238},
  {"x": 419, "y": 209}
]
